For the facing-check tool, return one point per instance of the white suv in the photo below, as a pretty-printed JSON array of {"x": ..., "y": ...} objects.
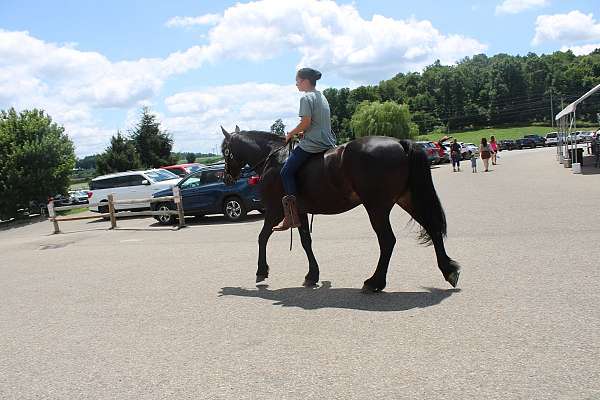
[
  {"x": 552, "y": 139},
  {"x": 129, "y": 185}
]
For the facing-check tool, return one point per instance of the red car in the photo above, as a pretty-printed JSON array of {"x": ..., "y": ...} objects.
[
  {"x": 444, "y": 156},
  {"x": 184, "y": 169}
]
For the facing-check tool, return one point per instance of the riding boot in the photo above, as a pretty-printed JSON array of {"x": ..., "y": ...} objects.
[{"x": 290, "y": 212}]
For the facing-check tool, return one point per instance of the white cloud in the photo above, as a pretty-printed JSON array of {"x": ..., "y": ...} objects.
[
  {"x": 581, "y": 50},
  {"x": 73, "y": 84},
  {"x": 334, "y": 38},
  {"x": 195, "y": 116},
  {"x": 517, "y": 6},
  {"x": 572, "y": 27},
  {"x": 89, "y": 77},
  {"x": 186, "y": 22}
]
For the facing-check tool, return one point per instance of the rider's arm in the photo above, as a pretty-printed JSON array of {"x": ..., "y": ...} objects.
[{"x": 300, "y": 129}]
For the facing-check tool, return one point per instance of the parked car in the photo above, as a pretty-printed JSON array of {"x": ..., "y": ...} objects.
[
  {"x": 431, "y": 151},
  {"x": 129, "y": 185},
  {"x": 62, "y": 200},
  {"x": 508, "y": 144},
  {"x": 570, "y": 138},
  {"x": 525, "y": 142},
  {"x": 442, "y": 152},
  {"x": 538, "y": 140},
  {"x": 78, "y": 196},
  {"x": 552, "y": 139},
  {"x": 184, "y": 169},
  {"x": 204, "y": 192},
  {"x": 585, "y": 137},
  {"x": 472, "y": 149}
]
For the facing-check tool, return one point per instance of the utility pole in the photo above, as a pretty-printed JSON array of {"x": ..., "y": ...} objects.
[{"x": 551, "y": 109}]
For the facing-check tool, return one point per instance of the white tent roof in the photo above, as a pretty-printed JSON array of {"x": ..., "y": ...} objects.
[{"x": 571, "y": 107}]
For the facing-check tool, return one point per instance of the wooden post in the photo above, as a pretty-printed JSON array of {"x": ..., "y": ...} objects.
[
  {"x": 179, "y": 204},
  {"x": 111, "y": 210},
  {"x": 52, "y": 215}
]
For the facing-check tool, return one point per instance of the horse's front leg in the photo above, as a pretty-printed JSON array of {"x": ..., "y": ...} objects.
[
  {"x": 271, "y": 219},
  {"x": 312, "y": 278}
]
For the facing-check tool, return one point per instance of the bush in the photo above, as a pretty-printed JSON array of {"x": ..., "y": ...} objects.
[{"x": 382, "y": 119}]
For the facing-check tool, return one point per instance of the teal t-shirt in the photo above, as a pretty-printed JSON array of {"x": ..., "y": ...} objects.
[{"x": 318, "y": 137}]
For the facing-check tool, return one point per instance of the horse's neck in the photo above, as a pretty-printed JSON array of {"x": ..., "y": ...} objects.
[{"x": 257, "y": 152}]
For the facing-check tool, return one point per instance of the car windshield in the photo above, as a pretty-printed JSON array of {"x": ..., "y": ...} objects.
[
  {"x": 551, "y": 135},
  {"x": 159, "y": 175},
  {"x": 193, "y": 168}
]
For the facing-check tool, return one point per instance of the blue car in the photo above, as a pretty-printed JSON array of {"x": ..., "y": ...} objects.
[{"x": 204, "y": 192}]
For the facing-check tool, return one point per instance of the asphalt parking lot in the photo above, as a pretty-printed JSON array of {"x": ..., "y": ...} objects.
[{"x": 150, "y": 312}]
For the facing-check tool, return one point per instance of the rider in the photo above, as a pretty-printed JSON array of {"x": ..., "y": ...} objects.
[{"x": 315, "y": 134}]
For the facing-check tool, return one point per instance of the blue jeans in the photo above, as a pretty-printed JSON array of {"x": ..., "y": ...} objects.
[{"x": 291, "y": 166}]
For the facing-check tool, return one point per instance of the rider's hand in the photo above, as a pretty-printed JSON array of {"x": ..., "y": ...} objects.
[{"x": 288, "y": 138}]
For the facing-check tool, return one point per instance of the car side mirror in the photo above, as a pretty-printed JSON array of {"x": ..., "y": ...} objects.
[{"x": 145, "y": 182}]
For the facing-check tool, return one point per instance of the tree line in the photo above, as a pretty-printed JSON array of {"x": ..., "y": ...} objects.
[
  {"x": 479, "y": 91},
  {"x": 147, "y": 146}
]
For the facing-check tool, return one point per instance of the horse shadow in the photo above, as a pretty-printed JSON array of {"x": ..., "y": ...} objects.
[{"x": 324, "y": 296}]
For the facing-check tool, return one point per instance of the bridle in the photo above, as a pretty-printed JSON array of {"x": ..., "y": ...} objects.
[{"x": 228, "y": 156}]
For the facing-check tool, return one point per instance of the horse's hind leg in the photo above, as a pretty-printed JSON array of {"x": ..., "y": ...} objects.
[
  {"x": 312, "y": 278},
  {"x": 450, "y": 268},
  {"x": 379, "y": 215},
  {"x": 271, "y": 219}
]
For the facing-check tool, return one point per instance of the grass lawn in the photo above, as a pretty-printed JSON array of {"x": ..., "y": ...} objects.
[
  {"x": 499, "y": 133},
  {"x": 74, "y": 211},
  {"x": 79, "y": 186},
  {"x": 208, "y": 160}
]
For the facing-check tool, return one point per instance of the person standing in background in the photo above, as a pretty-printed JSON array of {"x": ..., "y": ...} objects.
[
  {"x": 494, "y": 149},
  {"x": 486, "y": 153},
  {"x": 455, "y": 155}
]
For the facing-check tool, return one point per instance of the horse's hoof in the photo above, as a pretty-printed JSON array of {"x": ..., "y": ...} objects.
[
  {"x": 453, "y": 278},
  {"x": 309, "y": 283},
  {"x": 370, "y": 289},
  {"x": 260, "y": 278}
]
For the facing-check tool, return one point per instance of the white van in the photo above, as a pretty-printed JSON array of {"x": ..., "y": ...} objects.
[{"x": 129, "y": 185}]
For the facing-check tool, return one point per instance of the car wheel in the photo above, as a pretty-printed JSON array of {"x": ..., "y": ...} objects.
[
  {"x": 165, "y": 219},
  {"x": 103, "y": 209},
  {"x": 233, "y": 209}
]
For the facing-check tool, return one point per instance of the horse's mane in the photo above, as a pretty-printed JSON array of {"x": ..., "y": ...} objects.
[{"x": 263, "y": 135}]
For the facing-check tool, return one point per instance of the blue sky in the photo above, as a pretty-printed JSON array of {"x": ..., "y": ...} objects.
[{"x": 92, "y": 65}]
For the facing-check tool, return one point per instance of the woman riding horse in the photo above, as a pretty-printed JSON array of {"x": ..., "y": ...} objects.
[{"x": 314, "y": 130}]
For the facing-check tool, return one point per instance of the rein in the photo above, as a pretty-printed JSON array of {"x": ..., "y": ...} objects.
[
  {"x": 271, "y": 154},
  {"x": 290, "y": 145}
]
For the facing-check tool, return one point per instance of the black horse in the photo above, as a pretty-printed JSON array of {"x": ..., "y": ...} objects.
[{"x": 375, "y": 171}]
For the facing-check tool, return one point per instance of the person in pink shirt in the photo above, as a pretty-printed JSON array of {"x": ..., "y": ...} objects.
[{"x": 494, "y": 148}]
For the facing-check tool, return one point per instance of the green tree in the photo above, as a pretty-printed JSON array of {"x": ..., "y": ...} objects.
[
  {"x": 382, "y": 119},
  {"x": 152, "y": 144},
  {"x": 87, "y": 162},
  {"x": 278, "y": 127},
  {"x": 120, "y": 156},
  {"x": 37, "y": 158},
  {"x": 190, "y": 157}
]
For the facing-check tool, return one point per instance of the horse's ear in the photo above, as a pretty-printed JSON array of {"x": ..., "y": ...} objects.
[
  {"x": 237, "y": 129},
  {"x": 227, "y": 134}
]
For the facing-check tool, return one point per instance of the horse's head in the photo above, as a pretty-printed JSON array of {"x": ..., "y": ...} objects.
[{"x": 233, "y": 162}]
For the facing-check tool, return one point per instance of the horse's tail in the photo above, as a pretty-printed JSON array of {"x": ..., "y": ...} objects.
[{"x": 426, "y": 205}]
